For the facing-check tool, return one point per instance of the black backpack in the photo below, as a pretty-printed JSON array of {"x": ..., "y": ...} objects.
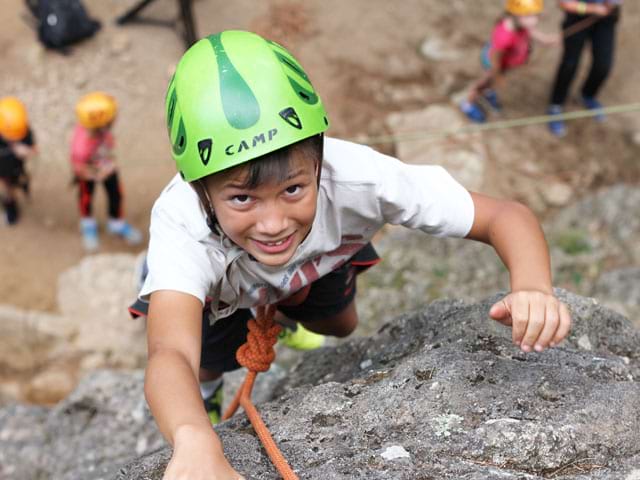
[{"x": 62, "y": 22}]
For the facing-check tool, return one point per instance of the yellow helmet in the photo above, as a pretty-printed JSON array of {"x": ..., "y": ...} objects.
[
  {"x": 14, "y": 123},
  {"x": 96, "y": 110},
  {"x": 524, "y": 7}
]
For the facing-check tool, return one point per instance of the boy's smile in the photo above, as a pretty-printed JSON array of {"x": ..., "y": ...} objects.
[{"x": 271, "y": 220}]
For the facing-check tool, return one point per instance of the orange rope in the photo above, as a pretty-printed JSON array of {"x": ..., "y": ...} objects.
[{"x": 256, "y": 355}]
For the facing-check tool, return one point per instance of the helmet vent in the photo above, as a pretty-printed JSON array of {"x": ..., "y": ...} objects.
[
  {"x": 290, "y": 116},
  {"x": 204, "y": 150}
]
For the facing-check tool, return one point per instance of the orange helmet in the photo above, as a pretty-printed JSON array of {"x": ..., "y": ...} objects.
[
  {"x": 14, "y": 123},
  {"x": 96, "y": 110},
  {"x": 524, "y": 7}
]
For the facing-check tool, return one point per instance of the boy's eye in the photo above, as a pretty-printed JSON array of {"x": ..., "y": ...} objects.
[
  {"x": 293, "y": 189},
  {"x": 240, "y": 199}
]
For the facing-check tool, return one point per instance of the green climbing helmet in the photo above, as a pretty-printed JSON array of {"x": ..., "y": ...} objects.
[{"x": 234, "y": 97}]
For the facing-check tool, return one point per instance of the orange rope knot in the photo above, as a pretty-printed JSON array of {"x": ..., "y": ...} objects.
[{"x": 258, "y": 353}]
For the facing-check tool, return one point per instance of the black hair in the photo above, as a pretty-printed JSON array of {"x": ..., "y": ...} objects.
[{"x": 274, "y": 166}]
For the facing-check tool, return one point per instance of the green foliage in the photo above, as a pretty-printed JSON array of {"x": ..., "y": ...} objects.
[{"x": 573, "y": 242}]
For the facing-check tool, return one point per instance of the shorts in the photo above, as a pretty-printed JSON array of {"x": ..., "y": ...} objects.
[{"x": 327, "y": 296}]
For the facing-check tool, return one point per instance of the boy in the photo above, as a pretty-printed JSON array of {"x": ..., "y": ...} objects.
[
  {"x": 93, "y": 162},
  {"x": 510, "y": 47},
  {"x": 265, "y": 210},
  {"x": 17, "y": 146}
]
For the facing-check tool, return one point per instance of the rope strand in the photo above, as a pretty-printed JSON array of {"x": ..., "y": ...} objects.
[
  {"x": 256, "y": 355},
  {"x": 498, "y": 125}
]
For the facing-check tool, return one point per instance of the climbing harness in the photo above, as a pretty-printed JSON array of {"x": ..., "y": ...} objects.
[{"x": 256, "y": 355}]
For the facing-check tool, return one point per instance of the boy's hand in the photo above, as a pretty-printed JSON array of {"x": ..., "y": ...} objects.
[
  {"x": 554, "y": 39},
  {"x": 104, "y": 172},
  {"x": 20, "y": 150},
  {"x": 196, "y": 456},
  {"x": 601, "y": 10},
  {"x": 539, "y": 320}
]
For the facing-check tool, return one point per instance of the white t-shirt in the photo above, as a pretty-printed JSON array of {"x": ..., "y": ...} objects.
[{"x": 360, "y": 191}]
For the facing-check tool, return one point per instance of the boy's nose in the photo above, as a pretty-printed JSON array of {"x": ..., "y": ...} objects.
[{"x": 272, "y": 221}]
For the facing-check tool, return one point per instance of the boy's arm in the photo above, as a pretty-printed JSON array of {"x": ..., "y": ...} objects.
[
  {"x": 23, "y": 150},
  {"x": 172, "y": 391},
  {"x": 538, "y": 318},
  {"x": 545, "y": 38}
]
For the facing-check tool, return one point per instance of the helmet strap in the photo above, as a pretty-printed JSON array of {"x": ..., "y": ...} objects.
[
  {"x": 207, "y": 205},
  {"x": 319, "y": 172}
]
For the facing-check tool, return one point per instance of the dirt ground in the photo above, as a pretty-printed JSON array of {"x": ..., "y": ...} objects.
[{"x": 353, "y": 50}]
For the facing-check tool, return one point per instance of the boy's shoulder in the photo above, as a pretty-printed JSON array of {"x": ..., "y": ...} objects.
[
  {"x": 177, "y": 194},
  {"x": 179, "y": 202}
]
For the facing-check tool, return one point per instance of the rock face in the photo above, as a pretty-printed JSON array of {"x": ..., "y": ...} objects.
[
  {"x": 439, "y": 393},
  {"x": 464, "y": 157},
  {"x": 50, "y": 352},
  {"x": 105, "y": 422},
  {"x": 443, "y": 393}
]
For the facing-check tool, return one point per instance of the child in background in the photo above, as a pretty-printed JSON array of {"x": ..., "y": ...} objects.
[
  {"x": 17, "y": 146},
  {"x": 509, "y": 48},
  {"x": 266, "y": 210},
  {"x": 93, "y": 162},
  {"x": 601, "y": 32}
]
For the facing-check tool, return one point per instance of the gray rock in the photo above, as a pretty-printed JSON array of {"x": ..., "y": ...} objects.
[
  {"x": 104, "y": 423},
  {"x": 609, "y": 218},
  {"x": 444, "y": 394},
  {"x": 464, "y": 158},
  {"x": 438, "y": 49},
  {"x": 621, "y": 285}
]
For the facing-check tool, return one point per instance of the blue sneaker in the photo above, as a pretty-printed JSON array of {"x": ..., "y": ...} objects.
[
  {"x": 556, "y": 127},
  {"x": 492, "y": 99},
  {"x": 593, "y": 104},
  {"x": 89, "y": 229},
  {"x": 125, "y": 230},
  {"x": 473, "y": 111}
]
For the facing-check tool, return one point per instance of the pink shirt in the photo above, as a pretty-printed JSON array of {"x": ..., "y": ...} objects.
[
  {"x": 514, "y": 45},
  {"x": 92, "y": 150}
]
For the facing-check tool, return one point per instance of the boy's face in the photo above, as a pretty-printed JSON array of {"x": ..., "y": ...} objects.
[
  {"x": 528, "y": 21},
  {"x": 271, "y": 220}
]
